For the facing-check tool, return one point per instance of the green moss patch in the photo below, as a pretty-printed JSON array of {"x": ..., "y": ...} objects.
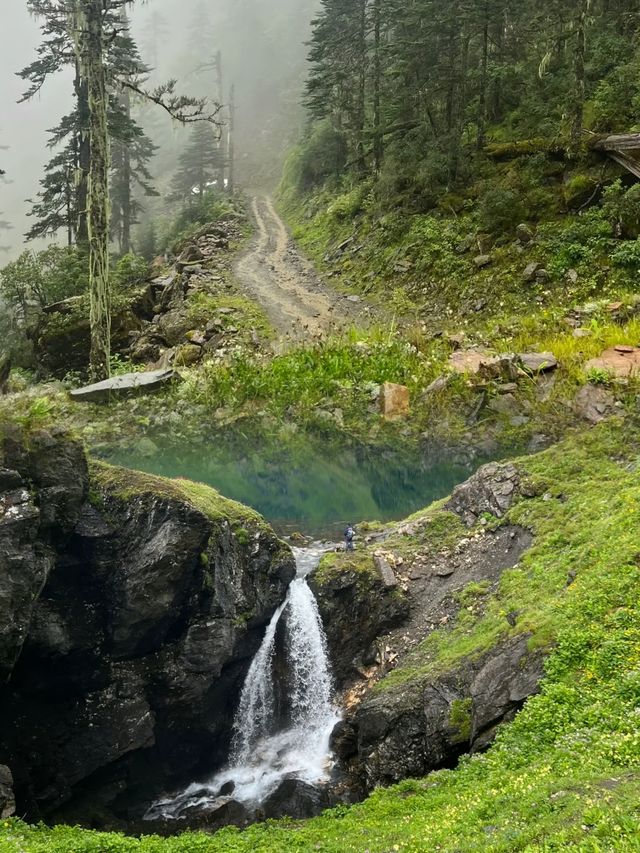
[{"x": 125, "y": 484}]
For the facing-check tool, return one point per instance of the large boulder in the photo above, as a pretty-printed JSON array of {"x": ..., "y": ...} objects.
[
  {"x": 130, "y": 608},
  {"x": 492, "y": 489},
  {"x": 295, "y": 798},
  {"x": 7, "y": 800},
  {"x": 62, "y": 337},
  {"x": 357, "y": 603},
  {"x": 426, "y": 724}
]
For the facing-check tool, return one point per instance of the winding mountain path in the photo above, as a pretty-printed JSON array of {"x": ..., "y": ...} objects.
[{"x": 273, "y": 273}]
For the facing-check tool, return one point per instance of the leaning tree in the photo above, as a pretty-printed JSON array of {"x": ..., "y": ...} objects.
[{"x": 84, "y": 31}]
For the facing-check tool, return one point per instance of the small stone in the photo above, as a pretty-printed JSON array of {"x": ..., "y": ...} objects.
[
  {"x": 538, "y": 362},
  {"x": 394, "y": 401},
  {"x": 582, "y": 333},
  {"x": 444, "y": 572},
  {"x": 572, "y": 276},
  {"x": 593, "y": 403},
  {"x": 530, "y": 271},
  {"x": 524, "y": 233},
  {"x": 187, "y": 355},
  {"x": 437, "y": 385},
  {"x": 482, "y": 261}
]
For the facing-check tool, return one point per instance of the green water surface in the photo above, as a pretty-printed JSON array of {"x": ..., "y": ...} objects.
[{"x": 309, "y": 487}]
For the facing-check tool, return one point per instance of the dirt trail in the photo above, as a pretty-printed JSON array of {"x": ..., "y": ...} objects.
[{"x": 272, "y": 271}]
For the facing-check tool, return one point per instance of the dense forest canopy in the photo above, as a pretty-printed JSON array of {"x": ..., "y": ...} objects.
[{"x": 411, "y": 91}]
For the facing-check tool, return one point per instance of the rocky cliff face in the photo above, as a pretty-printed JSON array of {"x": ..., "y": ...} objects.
[
  {"x": 130, "y": 607},
  {"x": 407, "y": 712}
]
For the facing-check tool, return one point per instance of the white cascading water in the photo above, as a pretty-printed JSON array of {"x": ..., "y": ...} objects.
[{"x": 261, "y": 756}]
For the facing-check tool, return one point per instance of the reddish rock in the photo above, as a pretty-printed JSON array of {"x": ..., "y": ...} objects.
[
  {"x": 469, "y": 361},
  {"x": 394, "y": 401},
  {"x": 620, "y": 360}
]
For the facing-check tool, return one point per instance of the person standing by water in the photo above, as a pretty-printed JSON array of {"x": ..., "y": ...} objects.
[{"x": 349, "y": 536}]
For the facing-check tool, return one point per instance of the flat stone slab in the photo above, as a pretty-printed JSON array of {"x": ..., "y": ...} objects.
[
  {"x": 125, "y": 385},
  {"x": 620, "y": 360},
  {"x": 538, "y": 362},
  {"x": 387, "y": 575},
  {"x": 469, "y": 361}
]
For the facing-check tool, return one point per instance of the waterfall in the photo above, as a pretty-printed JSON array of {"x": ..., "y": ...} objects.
[
  {"x": 265, "y": 750},
  {"x": 309, "y": 680}
]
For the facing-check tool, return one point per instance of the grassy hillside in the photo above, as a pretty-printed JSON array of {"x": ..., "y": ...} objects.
[{"x": 566, "y": 773}]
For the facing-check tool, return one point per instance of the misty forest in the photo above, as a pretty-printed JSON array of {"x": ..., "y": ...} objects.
[{"x": 319, "y": 426}]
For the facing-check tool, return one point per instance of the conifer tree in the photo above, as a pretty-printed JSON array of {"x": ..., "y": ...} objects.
[
  {"x": 198, "y": 165},
  {"x": 80, "y": 31}
]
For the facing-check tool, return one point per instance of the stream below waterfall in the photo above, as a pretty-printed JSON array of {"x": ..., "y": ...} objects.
[{"x": 283, "y": 725}]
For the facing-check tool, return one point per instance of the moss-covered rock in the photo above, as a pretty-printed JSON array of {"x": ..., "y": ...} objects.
[{"x": 136, "y": 606}]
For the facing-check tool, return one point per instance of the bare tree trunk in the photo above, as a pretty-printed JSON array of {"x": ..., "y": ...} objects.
[
  {"x": 362, "y": 83},
  {"x": 579, "y": 85},
  {"x": 125, "y": 232},
  {"x": 83, "y": 154},
  {"x": 231, "y": 138},
  {"x": 378, "y": 150},
  {"x": 484, "y": 64},
  {"x": 87, "y": 31}
]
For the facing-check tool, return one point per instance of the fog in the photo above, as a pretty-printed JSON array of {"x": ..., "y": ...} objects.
[{"x": 263, "y": 56}]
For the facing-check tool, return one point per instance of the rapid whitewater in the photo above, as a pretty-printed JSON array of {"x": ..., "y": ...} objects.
[{"x": 281, "y": 731}]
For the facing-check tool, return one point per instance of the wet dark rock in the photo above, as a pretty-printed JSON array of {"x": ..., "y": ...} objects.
[
  {"x": 295, "y": 798},
  {"x": 344, "y": 740},
  {"x": 422, "y": 726},
  {"x": 348, "y": 599},
  {"x": 127, "y": 624},
  {"x": 7, "y": 800},
  {"x": 224, "y": 812},
  {"x": 492, "y": 489}
]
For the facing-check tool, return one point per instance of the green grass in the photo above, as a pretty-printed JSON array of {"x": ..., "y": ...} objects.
[{"x": 566, "y": 773}]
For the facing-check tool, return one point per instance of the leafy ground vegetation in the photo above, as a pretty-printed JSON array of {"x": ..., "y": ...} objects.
[{"x": 565, "y": 774}]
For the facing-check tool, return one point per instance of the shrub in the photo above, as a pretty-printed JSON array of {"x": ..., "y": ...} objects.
[
  {"x": 37, "y": 279},
  {"x": 499, "y": 210},
  {"x": 211, "y": 207},
  {"x": 622, "y": 208},
  {"x": 131, "y": 270},
  {"x": 318, "y": 158}
]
